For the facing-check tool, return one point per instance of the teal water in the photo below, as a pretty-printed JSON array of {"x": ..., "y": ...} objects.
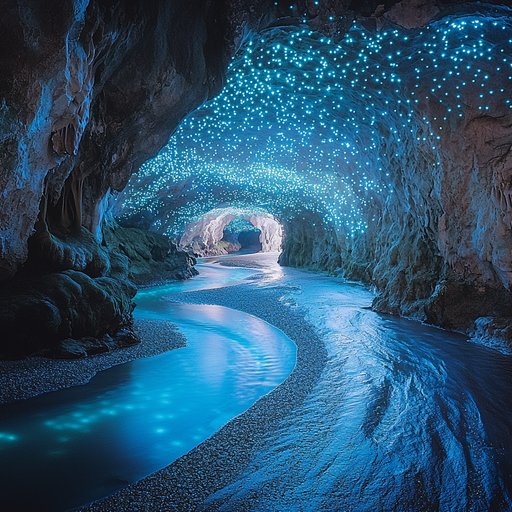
[{"x": 67, "y": 448}]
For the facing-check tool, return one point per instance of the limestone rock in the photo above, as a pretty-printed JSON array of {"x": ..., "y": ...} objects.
[
  {"x": 75, "y": 349},
  {"x": 37, "y": 313},
  {"x": 152, "y": 257},
  {"x": 413, "y": 13},
  {"x": 206, "y": 236},
  {"x": 495, "y": 332}
]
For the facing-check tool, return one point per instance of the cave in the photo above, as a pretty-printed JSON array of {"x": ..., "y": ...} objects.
[
  {"x": 256, "y": 255},
  {"x": 229, "y": 230},
  {"x": 242, "y": 235},
  {"x": 250, "y": 240}
]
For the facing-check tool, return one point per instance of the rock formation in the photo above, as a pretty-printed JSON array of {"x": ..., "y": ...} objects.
[
  {"x": 152, "y": 258},
  {"x": 207, "y": 236},
  {"x": 91, "y": 90},
  {"x": 425, "y": 214}
]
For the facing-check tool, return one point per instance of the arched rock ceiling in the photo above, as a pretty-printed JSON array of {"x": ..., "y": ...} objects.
[
  {"x": 305, "y": 123},
  {"x": 385, "y": 152},
  {"x": 202, "y": 234},
  {"x": 395, "y": 135},
  {"x": 93, "y": 89}
]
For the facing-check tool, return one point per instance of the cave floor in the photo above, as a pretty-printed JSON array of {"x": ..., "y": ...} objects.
[{"x": 380, "y": 413}]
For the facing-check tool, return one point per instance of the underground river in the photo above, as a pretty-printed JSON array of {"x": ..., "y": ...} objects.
[
  {"x": 405, "y": 417},
  {"x": 63, "y": 449},
  {"x": 402, "y": 417}
]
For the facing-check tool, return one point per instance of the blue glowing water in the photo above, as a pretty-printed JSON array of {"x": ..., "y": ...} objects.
[
  {"x": 404, "y": 418},
  {"x": 66, "y": 448}
]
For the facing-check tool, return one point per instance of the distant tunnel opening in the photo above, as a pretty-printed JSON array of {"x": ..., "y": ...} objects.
[
  {"x": 227, "y": 231},
  {"x": 243, "y": 236}
]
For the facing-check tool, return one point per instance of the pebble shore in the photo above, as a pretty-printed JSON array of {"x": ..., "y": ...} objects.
[
  {"x": 186, "y": 484},
  {"x": 34, "y": 375}
]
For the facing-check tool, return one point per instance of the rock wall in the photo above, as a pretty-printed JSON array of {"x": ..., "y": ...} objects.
[
  {"x": 88, "y": 91},
  {"x": 440, "y": 249},
  {"x": 71, "y": 292},
  {"x": 438, "y": 244},
  {"x": 443, "y": 251},
  {"x": 310, "y": 243},
  {"x": 271, "y": 237},
  {"x": 91, "y": 89},
  {"x": 74, "y": 296},
  {"x": 153, "y": 258}
]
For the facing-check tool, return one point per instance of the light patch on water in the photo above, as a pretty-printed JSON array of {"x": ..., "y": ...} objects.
[
  {"x": 138, "y": 417},
  {"x": 7, "y": 438}
]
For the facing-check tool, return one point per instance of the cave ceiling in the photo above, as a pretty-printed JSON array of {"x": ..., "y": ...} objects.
[
  {"x": 306, "y": 122},
  {"x": 92, "y": 90},
  {"x": 379, "y": 134}
]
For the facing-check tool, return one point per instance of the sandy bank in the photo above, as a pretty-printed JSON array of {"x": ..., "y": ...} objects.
[{"x": 35, "y": 375}]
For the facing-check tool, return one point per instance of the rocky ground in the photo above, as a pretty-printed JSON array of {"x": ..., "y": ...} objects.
[{"x": 34, "y": 375}]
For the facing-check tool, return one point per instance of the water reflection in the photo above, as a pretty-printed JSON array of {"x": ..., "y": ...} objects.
[
  {"x": 405, "y": 417},
  {"x": 79, "y": 444}
]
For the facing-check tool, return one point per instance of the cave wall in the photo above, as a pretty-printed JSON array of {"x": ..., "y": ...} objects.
[
  {"x": 153, "y": 259},
  {"x": 445, "y": 258},
  {"x": 438, "y": 244},
  {"x": 310, "y": 243},
  {"x": 88, "y": 91},
  {"x": 271, "y": 237},
  {"x": 202, "y": 237},
  {"x": 92, "y": 89},
  {"x": 444, "y": 248}
]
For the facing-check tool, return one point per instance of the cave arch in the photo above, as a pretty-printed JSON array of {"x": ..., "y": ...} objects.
[
  {"x": 203, "y": 236},
  {"x": 383, "y": 117}
]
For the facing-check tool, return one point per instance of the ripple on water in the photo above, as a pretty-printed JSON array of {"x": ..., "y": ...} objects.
[
  {"x": 79, "y": 444},
  {"x": 405, "y": 417}
]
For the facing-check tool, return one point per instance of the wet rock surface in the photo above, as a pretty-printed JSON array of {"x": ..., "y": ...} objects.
[
  {"x": 74, "y": 296},
  {"x": 38, "y": 313},
  {"x": 152, "y": 257}
]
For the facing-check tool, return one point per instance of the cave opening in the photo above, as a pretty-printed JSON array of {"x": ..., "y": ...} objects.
[
  {"x": 227, "y": 230},
  {"x": 244, "y": 234}
]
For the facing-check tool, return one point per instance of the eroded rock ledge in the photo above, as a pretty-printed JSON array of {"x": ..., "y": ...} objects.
[{"x": 74, "y": 296}]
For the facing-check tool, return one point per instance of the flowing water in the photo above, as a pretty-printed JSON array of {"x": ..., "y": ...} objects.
[
  {"x": 404, "y": 418},
  {"x": 63, "y": 449}
]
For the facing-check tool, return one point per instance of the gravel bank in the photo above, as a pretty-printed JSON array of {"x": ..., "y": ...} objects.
[
  {"x": 35, "y": 375},
  {"x": 187, "y": 483}
]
